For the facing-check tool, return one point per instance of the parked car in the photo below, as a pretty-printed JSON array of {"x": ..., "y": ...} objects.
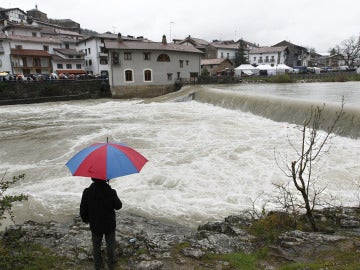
[
  {"x": 300, "y": 69},
  {"x": 343, "y": 68}
]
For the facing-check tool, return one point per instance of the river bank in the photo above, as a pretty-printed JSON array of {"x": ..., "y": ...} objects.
[{"x": 237, "y": 242}]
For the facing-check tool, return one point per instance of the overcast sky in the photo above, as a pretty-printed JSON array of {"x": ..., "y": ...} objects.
[{"x": 319, "y": 24}]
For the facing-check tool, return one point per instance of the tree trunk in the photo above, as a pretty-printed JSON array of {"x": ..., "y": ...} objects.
[{"x": 309, "y": 212}]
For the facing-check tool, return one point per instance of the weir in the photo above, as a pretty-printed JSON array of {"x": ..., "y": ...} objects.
[
  {"x": 276, "y": 108},
  {"x": 283, "y": 109}
]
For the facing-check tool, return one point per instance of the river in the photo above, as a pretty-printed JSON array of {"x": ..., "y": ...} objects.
[{"x": 209, "y": 156}]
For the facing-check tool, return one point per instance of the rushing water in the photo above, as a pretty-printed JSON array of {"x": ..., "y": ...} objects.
[{"x": 205, "y": 161}]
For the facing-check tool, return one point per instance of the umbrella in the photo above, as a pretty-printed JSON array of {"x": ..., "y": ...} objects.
[{"x": 106, "y": 161}]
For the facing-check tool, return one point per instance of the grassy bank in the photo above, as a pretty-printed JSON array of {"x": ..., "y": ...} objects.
[{"x": 293, "y": 78}]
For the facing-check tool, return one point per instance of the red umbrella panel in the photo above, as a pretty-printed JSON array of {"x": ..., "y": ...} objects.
[{"x": 106, "y": 161}]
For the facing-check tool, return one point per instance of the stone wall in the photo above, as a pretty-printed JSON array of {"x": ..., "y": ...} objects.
[
  {"x": 14, "y": 92},
  {"x": 144, "y": 91}
]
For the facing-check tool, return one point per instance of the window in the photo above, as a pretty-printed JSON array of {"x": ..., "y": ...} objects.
[
  {"x": 89, "y": 51},
  {"x": 59, "y": 66},
  {"x": 103, "y": 61},
  {"x": 254, "y": 58},
  {"x": 104, "y": 73},
  {"x": 46, "y": 48},
  {"x": 33, "y": 34},
  {"x": 67, "y": 46},
  {"x": 147, "y": 75},
  {"x": 115, "y": 58},
  {"x": 78, "y": 66},
  {"x": 272, "y": 58},
  {"x": 90, "y": 62},
  {"x": 169, "y": 76},
  {"x": 71, "y": 56},
  {"x": 222, "y": 55},
  {"x": 69, "y": 66},
  {"x": 24, "y": 60},
  {"x": 227, "y": 55},
  {"x": 128, "y": 75},
  {"x": 181, "y": 63},
  {"x": 127, "y": 56},
  {"x": 103, "y": 50},
  {"x": 267, "y": 59},
  {"x": 147, "y": 56},
  {"x": 18, "y": 47},
  {"x": 187, "y": 62},
  {"x": 37, "y": 62},
  {"x": 163, "y": 58}
]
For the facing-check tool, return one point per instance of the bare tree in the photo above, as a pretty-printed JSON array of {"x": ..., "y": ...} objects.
[
  {"x": 313, "y": 145},
  {"x": 351, "y": 49},
  {"x": 287, "y": 200}
]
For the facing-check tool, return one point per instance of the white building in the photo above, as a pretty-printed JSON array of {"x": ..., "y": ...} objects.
[
  {"x": 96, "y": 54},
  {"x": 68, "y": 61},
  {"x": 11, "y": 16},
  {"x": 268, "y": 55},
  {"x": 5, "y": 63},
  {"x": 27, "y": 46}
]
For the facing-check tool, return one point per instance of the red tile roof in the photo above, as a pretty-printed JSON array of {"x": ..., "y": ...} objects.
[
  {"x": 215, "y": 61},
  {"x": 268, "y": 49},
  {"x": 46, "y": 40},
  {"x": 24, "y": 52},
  {"x": 149, "y": 45},
  {"x": 70, "y": 71}
]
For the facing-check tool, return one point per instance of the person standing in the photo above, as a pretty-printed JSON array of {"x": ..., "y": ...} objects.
[{"x": 98, "y": 204}]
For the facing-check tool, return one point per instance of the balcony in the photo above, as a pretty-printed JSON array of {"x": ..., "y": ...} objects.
[{"x": 103, "y": 54}]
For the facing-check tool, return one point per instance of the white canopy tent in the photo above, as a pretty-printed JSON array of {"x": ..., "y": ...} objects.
[
  {"x": 283, "y": 69},
  {"x": 247, "y": 69},
  {"x": 271, "y": 71}
]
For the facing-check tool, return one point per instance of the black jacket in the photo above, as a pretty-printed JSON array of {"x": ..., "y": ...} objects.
[{"x": 98, "y": 205}]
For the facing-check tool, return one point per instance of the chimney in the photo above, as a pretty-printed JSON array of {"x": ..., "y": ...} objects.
[
  {"x": 119, "y": 38},
  {"x": 164, "y": 40}
]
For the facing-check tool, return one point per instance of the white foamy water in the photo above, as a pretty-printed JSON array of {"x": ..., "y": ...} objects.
[{"x": 205, "y": 162}]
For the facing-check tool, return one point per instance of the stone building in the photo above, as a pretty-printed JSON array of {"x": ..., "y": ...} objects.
[
  {"x": 144, "y": 68},
  {"x": 297, "y": 55},
  {"x": 217, "y": 65}
]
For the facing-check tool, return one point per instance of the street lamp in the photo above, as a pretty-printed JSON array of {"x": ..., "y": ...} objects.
[{"x": 171, "y": 23}]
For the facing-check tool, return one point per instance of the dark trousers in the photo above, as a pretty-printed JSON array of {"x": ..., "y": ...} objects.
[{"x": 110, "y": 249}]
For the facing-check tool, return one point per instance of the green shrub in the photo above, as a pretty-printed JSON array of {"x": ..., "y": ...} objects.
[
  {"x": 241, "y": 260},
  {"x": 6, "y": 201},
  {"x": 17, "y": 254},
  {"x": 284, "y": 78},
  {"x": 269, "y": 228}
]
